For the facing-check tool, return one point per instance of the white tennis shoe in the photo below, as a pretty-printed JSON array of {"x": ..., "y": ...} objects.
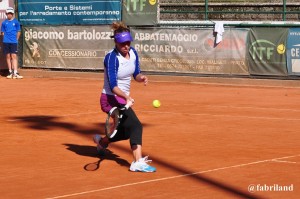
[
  {"x": 142, "y": 166},
  {"x": 10, "y": 76},
  {"x": 17, "y": 76}
]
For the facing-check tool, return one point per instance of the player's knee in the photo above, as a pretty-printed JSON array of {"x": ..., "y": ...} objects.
[
  {"x": 139, "y": 126},
  {"x": 136, "y": 134}
]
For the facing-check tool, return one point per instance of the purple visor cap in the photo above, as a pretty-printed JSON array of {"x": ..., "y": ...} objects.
[{"x": 123, "y": 37}]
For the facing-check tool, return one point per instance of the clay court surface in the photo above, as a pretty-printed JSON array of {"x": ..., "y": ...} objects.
[{"x": 211, "y": 138}]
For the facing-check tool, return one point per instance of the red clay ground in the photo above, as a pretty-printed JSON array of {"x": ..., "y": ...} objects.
[{"x": 211, "y": 138}]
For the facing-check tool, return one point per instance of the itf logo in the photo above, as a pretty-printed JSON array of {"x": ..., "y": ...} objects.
[
  {"x": 138, "y": 5},
  {"x": 264, "y": 50}
]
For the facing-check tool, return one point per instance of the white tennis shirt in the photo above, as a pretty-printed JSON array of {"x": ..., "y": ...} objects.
[{"x": 119, "y": 70}]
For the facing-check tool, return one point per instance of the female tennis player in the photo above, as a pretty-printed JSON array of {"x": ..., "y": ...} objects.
[{"x": 120, "y": 64}]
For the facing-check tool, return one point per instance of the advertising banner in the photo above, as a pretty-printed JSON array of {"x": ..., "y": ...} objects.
[
  {"x": 160, "y": 50},
  {"x": 140, "y": 12},
  {"x": 191, "y": 50},
  {"x": 66, "y": 47},
  {"x": 4, "y": 4},
  {"x": 37, "y": 12},
  {"x": 293, "y": 51},
  {"x": 266, "y": 51}
]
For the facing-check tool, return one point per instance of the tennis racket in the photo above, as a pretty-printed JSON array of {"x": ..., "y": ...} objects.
[{"x": 113, "y": 120}]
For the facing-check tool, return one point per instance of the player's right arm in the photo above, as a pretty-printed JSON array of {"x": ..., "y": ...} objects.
[{"x": 116, "y": 90}]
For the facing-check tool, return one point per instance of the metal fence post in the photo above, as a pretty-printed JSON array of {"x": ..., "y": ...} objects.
[
  {"x": 206, "y": 9},
  {"x": 284, "y": 10}
]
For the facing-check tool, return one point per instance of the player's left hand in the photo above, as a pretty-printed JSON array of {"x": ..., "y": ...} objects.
[{"x": 144, "y": 79}]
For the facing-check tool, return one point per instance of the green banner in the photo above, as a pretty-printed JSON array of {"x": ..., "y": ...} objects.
[
  {"x": 140, "y": 12},
  {"x": 266, "y": 51}
]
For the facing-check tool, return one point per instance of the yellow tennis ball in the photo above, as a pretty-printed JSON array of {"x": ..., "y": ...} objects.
[{"x": 156, "y": 103}]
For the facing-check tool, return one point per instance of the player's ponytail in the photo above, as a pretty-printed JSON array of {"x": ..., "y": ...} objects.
[{"x": 119, "y": 27}]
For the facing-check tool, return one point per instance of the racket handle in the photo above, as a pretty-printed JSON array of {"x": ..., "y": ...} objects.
[{"x": 129, "y": 104}]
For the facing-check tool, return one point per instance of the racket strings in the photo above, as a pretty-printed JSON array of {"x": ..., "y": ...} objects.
[{"x": 113, "y": 122}]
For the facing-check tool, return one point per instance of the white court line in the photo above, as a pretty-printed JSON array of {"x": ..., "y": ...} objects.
[
  {"x": 168, "y": 178},
  {"x": 238, "y": 83},
  {"x": 195, "y": 114},
  {"x": 286, "y": 157},
  {"x": 202, "y": 114},
  {"x": 251, "y": 107},
  {"x": 215, "y": 115},
  {"x": 283, "y": 161},
  {"x": 235, "y": 107},
  {"x": 233, "y": 84}
]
